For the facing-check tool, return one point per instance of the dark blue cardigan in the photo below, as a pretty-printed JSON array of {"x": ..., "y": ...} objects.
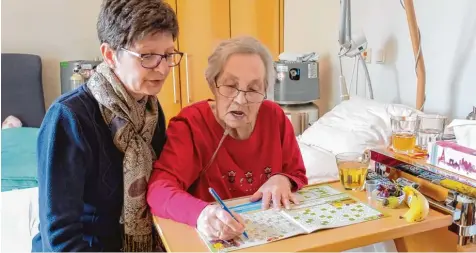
[{"x": 80, "y": 177}]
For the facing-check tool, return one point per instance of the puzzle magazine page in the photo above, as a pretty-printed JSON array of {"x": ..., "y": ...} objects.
[
  {"x": 320, "y": 207},
  {"x": 339, "y": 211}
]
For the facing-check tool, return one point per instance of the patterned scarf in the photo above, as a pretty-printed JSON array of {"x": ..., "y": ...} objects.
[{"x": 132, "y": 128}]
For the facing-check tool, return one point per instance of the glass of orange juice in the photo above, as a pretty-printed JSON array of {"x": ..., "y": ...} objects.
[
  {"x": 404, "y": 133},
  {"x": 353, "y": 168}
]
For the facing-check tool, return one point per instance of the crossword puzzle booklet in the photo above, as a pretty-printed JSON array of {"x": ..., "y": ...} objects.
[{"x": 320, "y": 207}]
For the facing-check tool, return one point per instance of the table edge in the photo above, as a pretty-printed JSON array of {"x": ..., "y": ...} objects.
[{"x": 355, "y": 242}]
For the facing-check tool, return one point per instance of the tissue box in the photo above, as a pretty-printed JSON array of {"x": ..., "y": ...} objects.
[
  {"x": 465, "y": 132},
  {"x": 453, "y": 157}
]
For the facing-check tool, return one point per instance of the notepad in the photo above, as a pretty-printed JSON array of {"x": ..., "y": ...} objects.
[{"x": 321, "y": 207}]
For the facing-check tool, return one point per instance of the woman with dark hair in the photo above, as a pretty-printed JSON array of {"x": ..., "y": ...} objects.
[{"x": 97, "y": 143}]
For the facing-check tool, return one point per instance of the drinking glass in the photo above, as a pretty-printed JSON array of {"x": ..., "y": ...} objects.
[
  {"x": 353, "y": 169},
  {"x": 404, "y": 133},
  {"x": 430, "y": 128},
  {"x": 370, "y": 186}
]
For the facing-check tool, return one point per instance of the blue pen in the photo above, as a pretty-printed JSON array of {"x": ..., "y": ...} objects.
[{"x": 219, "y": 201}]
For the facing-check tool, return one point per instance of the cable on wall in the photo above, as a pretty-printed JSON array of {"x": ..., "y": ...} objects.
[{"x": 417, "y": 56}]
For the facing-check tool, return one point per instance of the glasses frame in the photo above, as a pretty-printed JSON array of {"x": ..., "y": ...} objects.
[
  {"x": 238, "y": 93},
  {"x": 162, "y": 56}
]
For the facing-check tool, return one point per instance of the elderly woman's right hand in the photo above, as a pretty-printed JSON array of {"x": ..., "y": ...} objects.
[{"x": 216, "y": 223}]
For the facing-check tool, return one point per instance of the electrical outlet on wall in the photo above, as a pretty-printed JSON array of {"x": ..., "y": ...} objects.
[{"x": 367, "y": 55}]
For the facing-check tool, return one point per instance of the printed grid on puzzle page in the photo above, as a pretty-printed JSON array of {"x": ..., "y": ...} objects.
[
  {"x": 338, "y": 211},
  {"x": 262, "y": 227},
  {"x": 320, "y": 207}
]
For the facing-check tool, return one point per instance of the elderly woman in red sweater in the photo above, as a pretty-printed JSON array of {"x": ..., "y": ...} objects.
[{"x": 239, "y": 144}]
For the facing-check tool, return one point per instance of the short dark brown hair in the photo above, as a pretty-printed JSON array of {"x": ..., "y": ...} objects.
[{"x": 121, "y": 23}]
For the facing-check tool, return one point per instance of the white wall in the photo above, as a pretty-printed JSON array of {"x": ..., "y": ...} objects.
[
  {"x": 448, "y": 30},
  {"x": 56, "y": 30},
  {"x": 59, "y": 30}
]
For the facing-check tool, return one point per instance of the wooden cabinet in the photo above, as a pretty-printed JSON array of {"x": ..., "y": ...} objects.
[
  {"x": 169, "y": 96},
  {"x": 260, "y": 19},
  {"x": 203, "y": 24}
]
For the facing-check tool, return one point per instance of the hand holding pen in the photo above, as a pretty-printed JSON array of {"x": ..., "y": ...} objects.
[{"x": 217, "y": 222}]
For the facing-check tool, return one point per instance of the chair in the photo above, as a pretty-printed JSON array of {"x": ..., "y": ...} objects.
[{"x": 22, "y": 88}]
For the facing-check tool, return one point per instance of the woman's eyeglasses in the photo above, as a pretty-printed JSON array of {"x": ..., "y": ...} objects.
[
  {"x": 151, "y": 61},
  {"x": 232, "y": 92}
]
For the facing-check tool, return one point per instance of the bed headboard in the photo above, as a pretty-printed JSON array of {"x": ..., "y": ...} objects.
[{"x": 22, "y": 88}]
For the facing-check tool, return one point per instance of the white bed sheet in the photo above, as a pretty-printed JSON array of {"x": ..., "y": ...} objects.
[{"x": 20, "y": 219}]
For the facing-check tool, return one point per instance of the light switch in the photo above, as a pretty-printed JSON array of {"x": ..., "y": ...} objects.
[{"x": 380, "y": 56}]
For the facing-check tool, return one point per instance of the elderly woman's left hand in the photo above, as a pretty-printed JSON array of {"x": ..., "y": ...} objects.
[{"x": 277, "y": 188}]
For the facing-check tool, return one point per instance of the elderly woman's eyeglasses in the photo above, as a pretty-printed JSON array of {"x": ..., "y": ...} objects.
[
  {"x": 232, "y": 92},
  {"x": 151, "y": 61}
]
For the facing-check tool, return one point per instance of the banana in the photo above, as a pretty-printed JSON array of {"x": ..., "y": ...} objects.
[{"x": 417, "y": 203}]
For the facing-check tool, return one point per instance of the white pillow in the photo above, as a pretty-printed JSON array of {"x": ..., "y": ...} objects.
[
  {"x": 353, "y": 126},
  {"x": 320, "y": 164}
]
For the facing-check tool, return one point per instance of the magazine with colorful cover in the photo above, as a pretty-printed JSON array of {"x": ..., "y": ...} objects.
[{"x": 320, "y": 207}]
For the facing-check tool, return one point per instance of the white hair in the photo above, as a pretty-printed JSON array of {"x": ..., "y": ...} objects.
[{"x": 239, "y": 45}]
